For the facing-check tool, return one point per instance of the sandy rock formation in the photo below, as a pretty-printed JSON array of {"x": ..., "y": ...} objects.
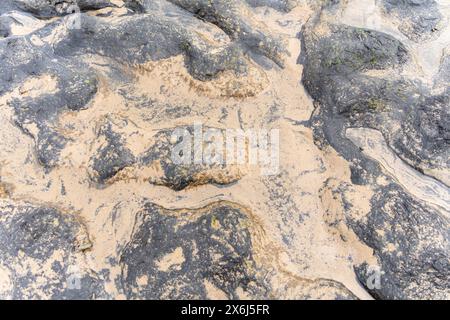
[{"x": 93, "y": 204}]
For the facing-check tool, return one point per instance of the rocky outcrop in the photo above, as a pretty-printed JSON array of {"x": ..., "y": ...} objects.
[
  {"x": 352, "y": 74},
  {"x": 163, "y": 37},
  {"x": 337, "y": 73},
  {"x": 41, "y": 254},
  {"x": 167, "y": 164},
  {"x": 183, "y": 255},
  {"x": 53, "y": 8},
  {"x": 100, "y": 105},
  {"x": 420, "y": 19},
  {"x": 411, "y": 242}
]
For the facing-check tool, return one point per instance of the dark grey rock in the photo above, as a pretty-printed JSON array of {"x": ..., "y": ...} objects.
[
  {"x": 345, "y": 52},
  {"x": 222, "y": 13},
  {"x": 35, "y": 234},
  {"x": 281, "y": 5},
  {"x": 76, "y": 86},
  {"x": 148, "y": 37},
  {"x": 112, "y": 157},
  {"x": 5, "y": 26},
  {"x": 443, "y": 77},
  {"x": 6, "y": 6},
  {"x": 216, "y": 247},
  {"x": 410, "y": 239},
  {"x": 416, "y": 265},
  {"x": 425, "y": 133},
  {"x": 54, "y": 8},
  {"x": 413, "y": 121},
  {"x": 420, "y": 18},
  {"x": 180, "y": 176}
]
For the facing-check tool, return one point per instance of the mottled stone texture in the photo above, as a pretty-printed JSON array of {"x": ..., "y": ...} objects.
[
  {"x": 39, "y": 249},
  {"x": 420, "y": 18},
  {"x": 412, "y": 243},
  {"x": 214, "y": 247},
  {"x": 348, "y": 72},
  {"x": 356, "y": 77}
]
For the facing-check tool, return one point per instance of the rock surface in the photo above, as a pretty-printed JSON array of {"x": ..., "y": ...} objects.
[{"x": 103, "y": 102}]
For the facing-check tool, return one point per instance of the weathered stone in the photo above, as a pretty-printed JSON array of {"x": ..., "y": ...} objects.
[
  {"x": 282, "y": 5},
  {"x": 413, "y": 121},
  {"x": 39, "y": 249},
  {"x": 7, "y": 5},
  {"x": 223, "y": 14},
  {"x": 179, "y": 176},
  {"x": 420, "y": 18},
  {"x": 90, "y": 103},
  {"x": 112, "y": 157},
  {"x": 52, "y": 8},
  {"x": 348, "y": 72},
  {"x": 177, "y": 254},
  {"x": 412, "y": 243}
]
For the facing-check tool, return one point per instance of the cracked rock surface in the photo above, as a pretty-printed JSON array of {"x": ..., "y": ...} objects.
[{"x": 97, "y": 200}]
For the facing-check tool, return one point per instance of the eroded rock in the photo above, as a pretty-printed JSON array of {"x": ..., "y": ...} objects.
[
  {"x": 412, "y": 242},
  {"x": 348, "y": 72},
  {"x": 52, "y": 8},
  {"x": 182, "y": 255},
  {"x": 162, "y": 37},
  {"x": 111, "y": 157},
  {"x": 420, "y": 18},
  {"x": 166, "y": 162},
  {"x": 337, "y": 74},
  {"x": 41, "y": 250},
  {"x": 224, "y": 14},
  {"x": 100, "y": 94}
]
